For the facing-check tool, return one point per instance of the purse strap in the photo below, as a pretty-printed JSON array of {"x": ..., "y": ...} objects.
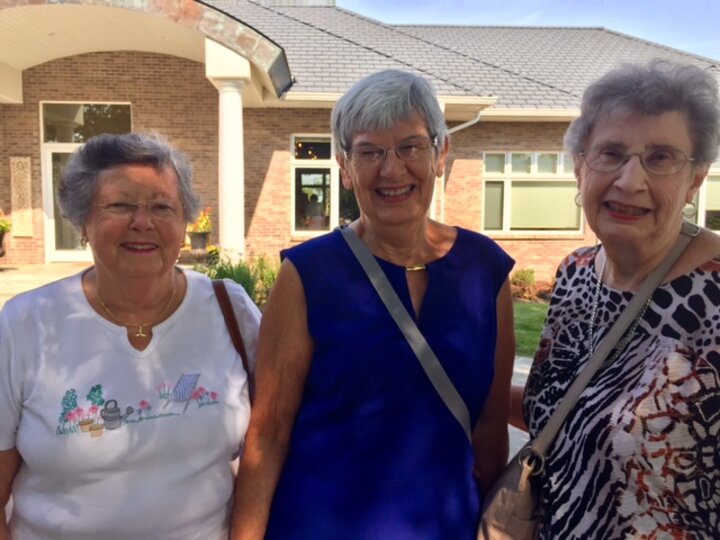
[
  {"x": 234, "y": 330},
  {"x": 429, "y": 362},
  {"x": 545, "y": 438}
]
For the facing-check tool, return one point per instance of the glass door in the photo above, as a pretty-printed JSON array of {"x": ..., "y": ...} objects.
[{"x": 62, "y": 241}]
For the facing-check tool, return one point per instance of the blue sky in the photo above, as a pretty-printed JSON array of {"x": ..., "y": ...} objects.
[{"x": 689, "y": 25}]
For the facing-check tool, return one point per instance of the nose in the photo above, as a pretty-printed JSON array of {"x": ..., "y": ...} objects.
[
  {"x": 392, "y": 164},
  {"x": 632, "y": 176},
  {"x": 142, "y": 218}
]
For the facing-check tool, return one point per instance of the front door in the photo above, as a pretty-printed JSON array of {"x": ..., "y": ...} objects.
[{"x": 62, "y": 240}]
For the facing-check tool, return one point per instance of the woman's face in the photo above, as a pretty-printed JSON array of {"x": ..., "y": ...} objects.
[
  {"x": 136, "y": 225},
  {"x": 631, "y": 207},
  {"x": 393, "y": 191}
]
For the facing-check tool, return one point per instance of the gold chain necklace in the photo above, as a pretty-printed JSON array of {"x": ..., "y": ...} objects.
[{"x": 140, "y": 333}]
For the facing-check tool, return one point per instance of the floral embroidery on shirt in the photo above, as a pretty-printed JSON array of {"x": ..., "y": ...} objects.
[{"x": 100, "y": 415}]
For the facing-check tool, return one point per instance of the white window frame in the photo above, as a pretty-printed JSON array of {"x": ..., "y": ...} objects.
[
  {"x": 701, "y": 198},
  {"x": 508, "y": 177},
  {"x": 330, "y": 164},
  {"x": 47, "y": 149}
]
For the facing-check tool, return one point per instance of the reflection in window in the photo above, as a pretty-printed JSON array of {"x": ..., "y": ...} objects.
[
  {"x": 521, "y": 162},
  {"x": 547, "y": 163},
  {"x": 312, "y": 199},
  {"x": 77, "y": 122}
]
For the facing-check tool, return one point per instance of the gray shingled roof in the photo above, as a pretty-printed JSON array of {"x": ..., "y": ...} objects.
[{"x": 329, "y": 48}]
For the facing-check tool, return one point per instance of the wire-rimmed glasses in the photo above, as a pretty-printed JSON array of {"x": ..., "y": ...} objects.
[
  {"x": 408, "y": 150},
  {"x": 159, "y": 210},
  {"x": 660, "y": 161}
]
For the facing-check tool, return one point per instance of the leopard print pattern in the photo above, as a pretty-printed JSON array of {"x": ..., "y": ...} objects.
[{"x": 639, "y": 455}]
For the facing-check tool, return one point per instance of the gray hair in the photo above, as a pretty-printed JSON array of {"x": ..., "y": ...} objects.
[
  {"x": 81, "y": 174},
  {"x": 653, "y": 89},
  {"x": 377, "y": 101}
]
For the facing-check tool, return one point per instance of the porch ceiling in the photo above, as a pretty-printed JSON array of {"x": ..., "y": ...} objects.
[{"x": 34, "y": 34}]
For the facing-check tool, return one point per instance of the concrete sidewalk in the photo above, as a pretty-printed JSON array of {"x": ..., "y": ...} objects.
[{"x": 16, "y": 279}]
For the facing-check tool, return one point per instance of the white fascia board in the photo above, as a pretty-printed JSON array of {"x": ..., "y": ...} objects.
[{"x": 530, "y": 115}]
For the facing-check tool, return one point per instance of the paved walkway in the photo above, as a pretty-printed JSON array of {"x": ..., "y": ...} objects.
[{"x": 22, "y": 278}]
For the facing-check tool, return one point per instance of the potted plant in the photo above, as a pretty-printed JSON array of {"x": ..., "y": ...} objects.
[
  {"x": 200, "y": 229},
  {"x": 5, "y": 226}
]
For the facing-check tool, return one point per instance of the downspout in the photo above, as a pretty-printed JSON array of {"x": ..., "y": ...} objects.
[
  {"x": 465, "y": 125},
  {"x": 450, "y": 132}
]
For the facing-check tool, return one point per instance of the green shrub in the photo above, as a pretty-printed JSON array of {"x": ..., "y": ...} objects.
[
  {"x": 522, "y": 283},
  {"x": 256, "y": 276}
]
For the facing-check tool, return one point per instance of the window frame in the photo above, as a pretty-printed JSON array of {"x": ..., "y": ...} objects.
[
  {"x": 331, "y": 165},
  {"x": 508, "y": 177}
]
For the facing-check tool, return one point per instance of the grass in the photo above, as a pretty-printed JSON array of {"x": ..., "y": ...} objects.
[{"x": 529, "y": 320}]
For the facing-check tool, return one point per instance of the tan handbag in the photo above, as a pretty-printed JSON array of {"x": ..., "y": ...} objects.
[{"x": 511, "y": 507}]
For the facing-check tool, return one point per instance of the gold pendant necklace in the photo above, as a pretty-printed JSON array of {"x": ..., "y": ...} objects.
[
  {"x": 149, "y": 325},
  {"x": 415, "y": 268}
]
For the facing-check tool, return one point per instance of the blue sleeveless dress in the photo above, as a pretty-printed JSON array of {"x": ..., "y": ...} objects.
[{"x": 375, "y": 454}]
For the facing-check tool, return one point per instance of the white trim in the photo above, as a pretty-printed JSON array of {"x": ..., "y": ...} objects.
[{"x": 508, "y": 177}]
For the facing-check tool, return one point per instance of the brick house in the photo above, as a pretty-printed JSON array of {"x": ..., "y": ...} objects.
[{"x": 246, "y": 87}]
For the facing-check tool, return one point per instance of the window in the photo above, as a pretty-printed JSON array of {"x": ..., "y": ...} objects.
[
  {"x": 529, "y": 192},
  {"x": 712, "y": 203},
  {"x": 77, "y": 122},
  {"x": 321, "y": 202}
]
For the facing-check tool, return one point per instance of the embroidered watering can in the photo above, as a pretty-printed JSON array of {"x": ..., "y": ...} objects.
[{"x": 112, "y": 416}]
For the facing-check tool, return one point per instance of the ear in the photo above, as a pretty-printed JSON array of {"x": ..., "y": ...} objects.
[
  {"x": 442, "y": 158},
  {"x": 577, "y": 169},
  {"x": 345, "y": 173},
  {"x": 699, "y": 172}
]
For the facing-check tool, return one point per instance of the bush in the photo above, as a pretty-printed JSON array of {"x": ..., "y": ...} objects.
[
  {"x": 522, "y": 283},
  {"x": 256, "y": 276}
]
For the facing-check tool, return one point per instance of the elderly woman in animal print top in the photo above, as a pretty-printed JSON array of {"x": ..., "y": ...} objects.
[{"x": 639, "y": 456}]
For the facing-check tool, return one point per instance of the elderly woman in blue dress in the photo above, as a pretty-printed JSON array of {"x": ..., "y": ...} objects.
[
  {"x": 348, "y": 438},
  {"x": 639, "y": 454}
]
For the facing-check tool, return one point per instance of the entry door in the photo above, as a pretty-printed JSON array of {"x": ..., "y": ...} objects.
[{"x": 62, "y": 241}]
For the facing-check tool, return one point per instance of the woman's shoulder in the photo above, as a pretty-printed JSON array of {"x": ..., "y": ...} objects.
[
  {"x": 579, "y": 258},
  {"x": 46, "y": 299}
]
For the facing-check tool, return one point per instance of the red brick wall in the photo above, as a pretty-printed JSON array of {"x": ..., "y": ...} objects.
[
  {"x": 463, "y": 204},
  {"x": 169, "y": 95},
  {"x": 172, "y": 96}
]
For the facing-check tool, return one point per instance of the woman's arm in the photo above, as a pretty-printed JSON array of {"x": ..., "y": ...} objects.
[
  {"x": 285, "y": 351},
  {"x": 516, "y": 409},
  {"x": 490, "y": 436},
  {"x": 9, "y": 463}
]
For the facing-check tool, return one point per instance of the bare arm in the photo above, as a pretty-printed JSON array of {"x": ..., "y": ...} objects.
[
  {"x": 516, "y": 411},
  {"x": 9, "y": 463},
  {"x": 490, "y": 436},
  {"x": 284, "y": 356}
]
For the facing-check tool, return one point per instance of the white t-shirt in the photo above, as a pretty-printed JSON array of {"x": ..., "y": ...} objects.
[{"x": 116, "y": 442}]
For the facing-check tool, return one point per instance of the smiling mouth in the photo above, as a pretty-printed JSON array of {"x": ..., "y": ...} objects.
[
  {"x": 625, "y": 209},
  {"x": 397, "y": 192},
  {"x": 140, "y": 247}
]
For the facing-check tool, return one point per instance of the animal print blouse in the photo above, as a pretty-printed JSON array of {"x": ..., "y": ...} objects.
[{"x": 639, "y": 456}]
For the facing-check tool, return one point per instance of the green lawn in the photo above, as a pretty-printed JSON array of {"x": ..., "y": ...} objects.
[{"x": 529, "y": 320}]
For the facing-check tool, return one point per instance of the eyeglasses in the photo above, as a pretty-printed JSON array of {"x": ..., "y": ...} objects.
[
  {"x": 158, "y": 210},
  {"x": 410, "y": 150},
  {"x": 657, "y": 161}
]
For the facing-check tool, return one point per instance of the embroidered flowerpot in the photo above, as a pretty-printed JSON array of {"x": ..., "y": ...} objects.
[
  {"x": 199, "y": 240},
  {"x": 85, "y": 424},
  {"x": 96, "y": 430}
]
